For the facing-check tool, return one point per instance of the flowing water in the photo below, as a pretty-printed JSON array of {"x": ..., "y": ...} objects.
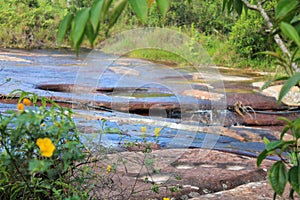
[{"x": 189, "y": 105}]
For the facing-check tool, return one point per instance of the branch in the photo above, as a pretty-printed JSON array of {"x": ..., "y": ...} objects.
[
  {"x": 250, "y": 6},
  {"x": 259, "y": 7}
]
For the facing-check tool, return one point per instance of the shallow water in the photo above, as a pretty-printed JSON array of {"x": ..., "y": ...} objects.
[{"x": 99, "y": 78}]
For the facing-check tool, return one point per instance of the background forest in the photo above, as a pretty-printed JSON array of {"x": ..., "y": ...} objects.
[{"x": 231, "y": 40}]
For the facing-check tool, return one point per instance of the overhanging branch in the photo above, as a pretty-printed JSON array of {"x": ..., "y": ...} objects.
[{"x": 259, "y": 8}]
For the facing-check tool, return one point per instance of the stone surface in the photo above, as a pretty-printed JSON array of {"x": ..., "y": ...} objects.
[
  {"x": 210, "y": 171},
  {"x": 260, "y": 190},
  {"x": 292, "y": 98},
  {"x": 203, "y": 94},
  {"x": 255, "y": 100}
]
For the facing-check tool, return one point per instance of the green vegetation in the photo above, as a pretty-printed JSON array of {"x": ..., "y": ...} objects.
[
  {"x": 157, "y": 56},
  {"x": 29, "y": 24},
  {"x": 40, "y": 152},
  {"x": 42, "y": 156},
  {"x": 35, "y": 24}
]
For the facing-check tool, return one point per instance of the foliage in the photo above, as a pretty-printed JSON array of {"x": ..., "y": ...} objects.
[
  {"x": 42, "y": 156},
  {"x": 30, "y": 23},
  {"x": 248, "y": 35},
  {"x": 210, "y": 21},
  {"x": 286, "y": 169},
  {"x": 40, "y": 151},
  {"x": 87, "y": 21}
]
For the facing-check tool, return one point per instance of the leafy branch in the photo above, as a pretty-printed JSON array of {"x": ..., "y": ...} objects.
[{"x": 87, "y": 22}]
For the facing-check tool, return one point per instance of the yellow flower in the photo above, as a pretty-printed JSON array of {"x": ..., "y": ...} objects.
[
  {"x": 108, "y": 168},
  {"x": 46, "y": 146},
  {"x": 166, "y": 198},
  {"x": 26, "y": 102},
  {"x": 157, "y": 131},
  {"x": 20, "y": 107},
  {"x": 144, "y": 129}
]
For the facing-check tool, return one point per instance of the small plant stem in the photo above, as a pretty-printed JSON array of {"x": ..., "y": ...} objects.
[
  {"x": 297, "y": 152},
  {"x": 135, "y": 182}
]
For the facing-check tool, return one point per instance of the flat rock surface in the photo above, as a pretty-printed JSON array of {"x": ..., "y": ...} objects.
[{"x": 212, "y": 174}]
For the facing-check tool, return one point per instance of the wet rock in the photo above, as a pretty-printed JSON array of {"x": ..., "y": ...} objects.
[
  {"x": 259, "y": 119},
  {"x": 184, "y": 197},
  {"x": 193, "y": 194},
  {"x": 255, "y": 101},
  {"x": 292, "y": 98},
  {"x": 13, "y": 59},
  {"x": 124, "y": 71},
  {"x": 203, "y": 94}
]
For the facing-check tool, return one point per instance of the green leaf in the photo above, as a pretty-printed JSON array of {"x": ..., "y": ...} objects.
[
  {"x": 89, "y": 32},
  {"x": 286, "y": 120},
  {"x": 224, "y": 5},
  {"x": 290, "y": 32},
  {"x": 294, "y": 178},
  {"x": 296, "y": 128},
  {"x": 78, "y": 27},
  {"x": 163, "y": 6},
  {"x": 96, "y": 11},
  {"x": 292, "y": 81},
  {"x": 273, "y": 54},
  {"x": 116, "y": 12},
  {"x": 283, "y": 132},
  {"x": 140, "y": 7},
  {"x": 284, "y": 7},
  {"x": 267, "y": 84},
  {"x": 266, "y": 140},
  {"x": 261, "y": 157},
  {"x": 64, "y": 26},
  {"x": 278, "y": 177},
  {"x": 105, "y": 8},
  {"x": 238, "y": 6},
  {"x": 274, "y": 145}
]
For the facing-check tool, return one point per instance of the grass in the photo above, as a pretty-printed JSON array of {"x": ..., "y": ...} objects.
[
  {"x": 217, "y": 46},
  {"x": 158, "y": 55}
]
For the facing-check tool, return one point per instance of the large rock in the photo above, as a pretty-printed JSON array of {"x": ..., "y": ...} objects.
[
  {"x": 188, "y": 170},
  {"x": 292, "y": 98}
]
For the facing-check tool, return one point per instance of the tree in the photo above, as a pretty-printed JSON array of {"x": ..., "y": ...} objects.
[
  {"x": 103, "y": 13},
  {"x": 285, "y": 11}
]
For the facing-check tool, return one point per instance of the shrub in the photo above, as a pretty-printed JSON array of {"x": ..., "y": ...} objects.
[
  {"x": 248, "y": 36},
  {"x": 40, "y": 151},
  {"x": 30, "y": 23}
]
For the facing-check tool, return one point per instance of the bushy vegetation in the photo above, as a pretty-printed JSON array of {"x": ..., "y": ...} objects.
[
  {"x": 40, "y": 152},
  {"x": 29, "y": 23},
  {"x": 35, "y": 23},
  {"x": 248, "y": 35},
  {"x": 42, "y": 156}
]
